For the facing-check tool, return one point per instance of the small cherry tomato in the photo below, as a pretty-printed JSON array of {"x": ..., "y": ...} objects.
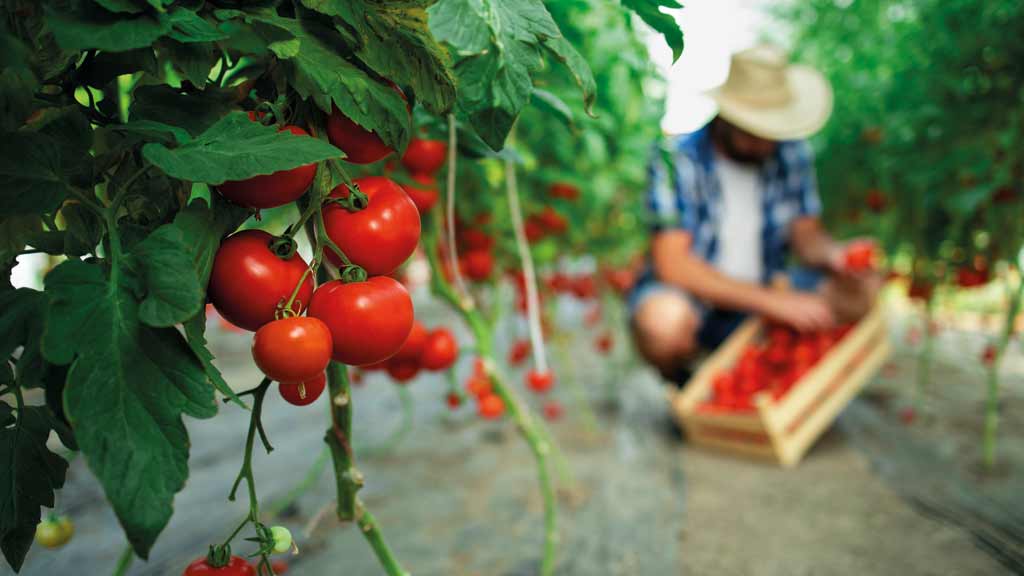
[
  {"x": 425, "y": 195},
  {"x": 563, "y": 190},
  {"x": 876, "y": 201},
  {"x": 604, "y": 343},
  {"x": 237, "y": 566},
  {"x": 279, "y": 567},
  {"x": 369, "y": 321},
  {"x": 552, "y": 221},
  {"x": 54, "y": 531},
  {"x": 553, "y": 411},
  {"x": 360, "y": 145},
  {"x": 454, "y": 400},
  {"x": 292, "y": 349},
  {"x": 518, "y": 352},
  {"x": 440, "y": 350},
  {"x": 426, "y": 156},
  {"x": 474, "y": 239},
  {"x": 988, "y": 356},
  {"x": 477, "y": 265},
  {"x": 303, "y": 393},
  {"x": 282, "y": 539},
  {"x": 248, "y": 281},
  {"x": 491, "y": 407},
  {"x": 534, "y": 230},
  {"x": 381, "y": 236},
  {"x": 540, "y": 382},
  {"x": 478, "y": 386},
  {"x": 412, "y": 349},
  {"x": 271, "y": 190},
  {"x": 403, "y": 371},
  {"x": 859, "y": 256}
]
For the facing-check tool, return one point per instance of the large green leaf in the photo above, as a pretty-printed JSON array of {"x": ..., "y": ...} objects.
[
  {"x": 665, "y": 24},
  {"x": 32, "y": 166},
  {"x": 84, "y": 25},
  {"x": 29, "y": 475},
  {"x": 172, "y": 293},
  {"x": 395, "y": 41},
  {"x": 579, "y": 68},
  {"x": 499, "y": 45},
  {"x": 193, "y": 112},
  {"x": 128, "y": 387},
  {"x": 236, "y": 148},
  {"x": 319, "y": 70}
]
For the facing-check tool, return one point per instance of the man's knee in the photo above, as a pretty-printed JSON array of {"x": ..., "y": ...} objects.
[{"x": 665, "y": 326}]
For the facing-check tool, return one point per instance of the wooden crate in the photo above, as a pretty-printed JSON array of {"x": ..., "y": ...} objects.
[{"x": 783, "y": 430}]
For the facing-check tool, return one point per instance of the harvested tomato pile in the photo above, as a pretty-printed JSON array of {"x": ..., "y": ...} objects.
[{"x": 774, "y": 365}]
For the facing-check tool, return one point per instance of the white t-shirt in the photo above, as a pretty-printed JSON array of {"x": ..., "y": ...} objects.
[{"x": 741, "y": 220}]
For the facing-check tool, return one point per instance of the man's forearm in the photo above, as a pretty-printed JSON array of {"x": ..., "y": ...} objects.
[
  {"x": 812, "y": 244},
  {"x": 702, "y": 280}
]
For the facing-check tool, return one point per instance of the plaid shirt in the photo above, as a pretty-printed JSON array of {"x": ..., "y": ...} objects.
[{"x": 685, "y": 194}]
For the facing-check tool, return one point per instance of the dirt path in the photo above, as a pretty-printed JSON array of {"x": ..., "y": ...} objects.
[{"x": 458, "y": 497}]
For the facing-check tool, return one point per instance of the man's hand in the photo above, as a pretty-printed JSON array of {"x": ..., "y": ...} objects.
[{"x": 804, "y": 311}]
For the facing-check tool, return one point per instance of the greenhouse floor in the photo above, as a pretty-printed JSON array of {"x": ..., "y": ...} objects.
[{"x": 457, "y": 496}]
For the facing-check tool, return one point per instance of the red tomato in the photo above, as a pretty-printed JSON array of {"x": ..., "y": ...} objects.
[
  {"x": 474, "y": 239},
  {"x": 859, "y": 256},
  {"x": 1005, "y": 195},
  {"x": 920, "y": 290},
  {"x": 563, "y": 190},
  {"x": 237, "y": 566},
  {"x": 248, "y": 281},
  {"x": 440, "y": 350},
  {"x": 477, "y": 265},
  {"x": 413, "y": 346},
  {"x": 876, "y": 201},
  {"x": 369, "y": 321},
  {"x": 454, "y": 400},
  {"x": 383, "y": 235},
  {"x": 604, "y": 343},
  {"x": 540, "y": 382},
  {"x": 359, "y": 144},
  {"x": 518, "y": 352},
  {"x": 534, "y": 229},
  {"x": 402, "y": 371},
  {"x": 270, "y": 190},
  {"x": 491, "y": 407},
  {"x": 425, "y": 195},
  {"x": 303, "y": 393},
  {"x": 988, "y": 356},
  {"x": 426, "y": 156},
  {"x": 552, "y": 411},
  {"x": 584, "y": 287},
  {"x": 478, "y": 386},
  {"x": 292, "y": 349},
  {"x": 971, "y": 277},
  {"x": 279, "y": 567},
  {"x": 552, "y": 221}
]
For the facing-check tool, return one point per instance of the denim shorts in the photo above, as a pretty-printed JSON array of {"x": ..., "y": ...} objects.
[{"x": 716, "y": 324}]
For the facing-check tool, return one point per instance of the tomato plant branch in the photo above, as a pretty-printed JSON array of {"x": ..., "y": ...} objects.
[
  {"x": 246, "y": 471},
  {"x": 124, "y": 562},
  {"x": 453, "y": 252},
  {"x": 989, "y": 438},
  {"x": 530, "y": 275},
  {"x": 368, "y": 526},
  {"x": 540, "y": 445}
]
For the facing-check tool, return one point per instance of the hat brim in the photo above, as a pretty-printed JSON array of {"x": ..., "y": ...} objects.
[{"x": 803, "y": 116}]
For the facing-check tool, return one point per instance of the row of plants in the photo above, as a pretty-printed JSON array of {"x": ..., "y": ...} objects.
[
  {"x": 925, "y": 149},
  {"x": 144, "y": 140}
]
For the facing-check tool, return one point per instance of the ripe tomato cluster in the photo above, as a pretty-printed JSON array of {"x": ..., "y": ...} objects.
[
  {"x": 774, "y": 366},
  {"x": 547, "y": 222},
  {"x": 489, "y": 405},
  {"x": 475, "y": 246},
  {"x": 433, "y": 350}
]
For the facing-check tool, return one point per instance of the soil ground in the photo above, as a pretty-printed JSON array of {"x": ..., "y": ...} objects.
[{"x": 459, "y": 497}]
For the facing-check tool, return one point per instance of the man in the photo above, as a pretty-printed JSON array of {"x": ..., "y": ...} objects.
[{"x": 731, "y": 202}]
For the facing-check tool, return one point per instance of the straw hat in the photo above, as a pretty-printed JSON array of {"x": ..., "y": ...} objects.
[{"x": 771, "y": 98}]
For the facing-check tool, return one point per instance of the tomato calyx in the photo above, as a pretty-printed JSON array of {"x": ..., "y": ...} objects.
[
  {"x": 354, "y": 201},
  {"x": 219, "y": 556},
  {"x": 352, "y": 273},
  {"x": 284, "y": 247}
]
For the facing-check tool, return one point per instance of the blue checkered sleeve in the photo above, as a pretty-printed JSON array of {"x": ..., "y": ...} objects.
[{"x": 801, "y": 180}]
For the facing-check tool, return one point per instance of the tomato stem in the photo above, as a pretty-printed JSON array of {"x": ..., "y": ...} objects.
[
  {"x": 124, "y": 562},
  {"x": 991, "y": 429},
  {"x": 541, "y": 446},
  {"x": 453, "y": 253}
]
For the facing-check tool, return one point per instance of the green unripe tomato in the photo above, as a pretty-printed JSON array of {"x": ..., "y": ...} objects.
[
  {"x": 282, "y": 539},
  {"x": 54, "y": 532}
]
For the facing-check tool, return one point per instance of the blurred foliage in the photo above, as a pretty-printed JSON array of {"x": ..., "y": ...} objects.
[{"x": 925, "y": 148}]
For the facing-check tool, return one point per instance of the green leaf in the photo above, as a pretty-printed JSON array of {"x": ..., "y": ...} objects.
[
  {"x": 320, "y": 70},
  {"x": 172, "y": 291},
  {"x": 189, "y": 27},
  {"x": 18, "y": 310},
  {"x": 33, "y": 170},
  {"x": 15, "y": 233},
  {"x": 579, "y": 68},
  {"x": 395, "y": 41},
  {"x": 553, "y": 103},
  {"x": 236, "y": 148},
  {"x": 499, "y": 44},
  {"x": 17, "y": 83},
  {"x": 85, "y": 26},
  {"x": 193, "y": 60},
  {"x": 192, "y": 112},
  {"x": 29, "y": 475},
  {"x": 83, "y": 229},
  {"x": 665, "y": 24},
  {"x": 126, "y": 393}
]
